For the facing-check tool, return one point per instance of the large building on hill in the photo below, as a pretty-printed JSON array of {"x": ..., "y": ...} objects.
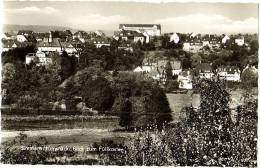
[{"x": 150, "y": 29}]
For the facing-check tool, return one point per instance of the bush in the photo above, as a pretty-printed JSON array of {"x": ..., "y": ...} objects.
[{"x": 172, "y": 86}]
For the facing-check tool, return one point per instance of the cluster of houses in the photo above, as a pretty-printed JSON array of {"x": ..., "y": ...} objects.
[
  {"x": 185, "y": 78},
  {"x": 134, "y": 33},
  {"x": 196, "y": 42},
  {"x": 72, "y": 43}
]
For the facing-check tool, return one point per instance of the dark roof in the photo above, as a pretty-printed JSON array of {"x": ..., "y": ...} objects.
[
  {"x": 130, "y": 33},
  {"x": 228, "y": 69},
  {"x": 55, "y": 43},
  {"x": 204, "y": 67},
  {"x": 23, "y": 32},
  {"x": 140, "y": 25},
  {"x": 10, "y": 43},
  {"x": 41, "y": 35}
]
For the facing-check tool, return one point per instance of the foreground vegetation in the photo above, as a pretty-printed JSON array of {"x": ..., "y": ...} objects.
[{"x": 187, "y": 143}]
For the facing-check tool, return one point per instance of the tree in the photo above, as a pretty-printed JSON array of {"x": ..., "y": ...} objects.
[
  {"x": 17, "y": 54},
  {"x": 253, "y": 46},
  {"x": 168, "y": 70},
  {"x": 249, "y": 78},
  {"x": 68, "y": 65},
  {"x": 97, "y": 93},
  {"x": 206, "y": 135},
  {"x": 144, "y": 103}
]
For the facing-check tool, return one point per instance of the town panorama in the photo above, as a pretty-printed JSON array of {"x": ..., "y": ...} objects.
[{"x": 139, "y": 96}]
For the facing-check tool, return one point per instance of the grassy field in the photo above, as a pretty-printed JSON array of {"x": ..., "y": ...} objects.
[
  {"x": 79, "y": 130},
  {"x": 45, "y": 122}
]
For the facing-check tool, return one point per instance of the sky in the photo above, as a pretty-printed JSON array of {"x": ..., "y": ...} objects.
[{"x": 173, "y": 17}]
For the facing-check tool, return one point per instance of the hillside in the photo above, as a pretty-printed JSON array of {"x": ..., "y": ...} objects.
[{"x": 35, "y": 28}]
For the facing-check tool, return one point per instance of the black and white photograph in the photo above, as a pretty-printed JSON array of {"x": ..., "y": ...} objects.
[{"x": 129, "y": 83}]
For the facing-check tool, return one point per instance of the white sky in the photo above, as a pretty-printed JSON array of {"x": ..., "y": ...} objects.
[{"x": 173, "y": 17}]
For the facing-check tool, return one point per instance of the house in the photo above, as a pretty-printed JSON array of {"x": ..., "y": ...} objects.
[
  {"x": 150, "y": 29},
  {"x": 174, "y": 38},
  {"x": 99, "y": 33},
  {"x": 40, "y": 36},
  {"x": 193, "y": 43},
  {"x": 5, "y": 36},
  {"x": 131, "y": 36},
  {"x": 185, "y": 80},
  {"x": 39, "y": 58},
  {"x": 240, "y": 41},
  {"x": 204, "y": 71},
  {"x": 25, "y": 35},
  {"x": 81, "y": 36},
  {"x": 100, "y": 41},
  {"x": 11, "y": 44},
  {"x": 229, "y": 73},
  {"x": 49, "y": 45},
  {"x": 144, "y": 68},
  {"x": 176, "y": 67},
  {"x": 211, "y": 41},
  {"x": 225, "y": 39},
  {"x": 68, "y": 47}
]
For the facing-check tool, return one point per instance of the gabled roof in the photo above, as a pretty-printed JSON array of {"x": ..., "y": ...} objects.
[
  {"x": 12, "y": 43},
  {"x": 55, "y": 43},
  {"x": 228, "y": 69},
  {"x": 130, "y": 33}
]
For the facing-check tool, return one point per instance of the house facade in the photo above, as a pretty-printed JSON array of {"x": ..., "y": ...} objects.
[
  {"x": 240, "y": 41},
  {"x": 225, "y": 39},
  {"x": 39, "y": 58},
  {"x": 174, "y": 38},
  {"x": 185, "y": 80},
  {"x": 150, "y": 29},
  {"x": 204, "y": 71},
  {"x": 229, "y": 73}
]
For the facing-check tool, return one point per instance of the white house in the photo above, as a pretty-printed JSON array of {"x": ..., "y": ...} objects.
[
  {"x": 175, "y": 38},
  {"x": 147, "y": 38},
  {"x": 39, "y": 58},
  {"x": 21, "y": 38},
  {"x": 192, "y": 46},
  {"x": 144, "y": 68},
  {"x": 225, "y": 39},
  {"x": 229, "y": 73},
  {"x": 240, "y": 41},
  {"x": 150, "y": 29},
  {"x": 186, "y": 46},
  {"x": 185, "y": 80},
  {"x": 24, "y": 35}
]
